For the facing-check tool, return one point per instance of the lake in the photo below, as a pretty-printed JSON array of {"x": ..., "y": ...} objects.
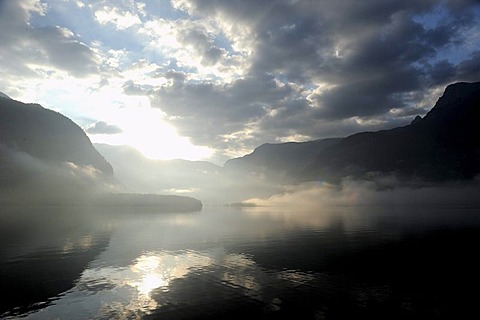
[{"x": 401, "y": 262}]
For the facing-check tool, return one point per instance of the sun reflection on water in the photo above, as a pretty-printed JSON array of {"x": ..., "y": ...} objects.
[
  {"x": 153, "y": 270},
  {"x": 147, "y": 266},
  {"x": 145, "y": 285},
  {"x": 150, "y": 282},
  {"x": 135, "y": 284}
]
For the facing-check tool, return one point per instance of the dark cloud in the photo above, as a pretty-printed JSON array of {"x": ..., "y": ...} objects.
[
  {"x": 130, "y": 88},
  {"x": 62, "y": 50},
  {"x": 368, "y": 97},
  {"x": 441, "y": 72},
  {"x": 372, "y": 66},
  {"x": 469, "y": 69},
  {"x": 203, "y": 43},
  {"x": 304, "y": 126},
  {"x": 345, "y": 66},
  {"x": 207, "y": 111},
  {"x": 235, "y": 10},
  {"x": 101, "y": 127}
]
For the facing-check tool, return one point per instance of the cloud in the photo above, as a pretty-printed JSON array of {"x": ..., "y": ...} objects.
[
  {"x": 28, "y": 51},
  {"x": 338, "y": 68},
  {"x": 120, "y": 19},
  {"x": 231, "y": 75},
  {"x": 202, "y": 43},
  {"x": 101, "y": 127},
  {"x": 59, "y": 48},
  {"x": 209, "y": 112},
  {"x": 469, "y": 69}
]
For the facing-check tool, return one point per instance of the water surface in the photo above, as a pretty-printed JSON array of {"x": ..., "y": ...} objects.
[{"x": 222, "y": 263}]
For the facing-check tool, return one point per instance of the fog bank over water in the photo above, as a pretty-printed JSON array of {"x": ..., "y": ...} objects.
[{"x": 350, "y": 192}]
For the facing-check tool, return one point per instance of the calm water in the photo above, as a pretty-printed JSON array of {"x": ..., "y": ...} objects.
[{"x": 224, "y": 263}]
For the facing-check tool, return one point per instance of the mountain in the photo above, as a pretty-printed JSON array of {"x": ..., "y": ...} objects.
[
  {"x": 45, "y": 155},
  {"x": 3, "y": 95},
  {"x": 47, "y": 135},
  {"x": 280, "y": 163},
  {"x": 442, "y": 146}
]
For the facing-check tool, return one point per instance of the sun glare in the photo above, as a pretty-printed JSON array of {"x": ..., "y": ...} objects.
[{"x": 144, "y": 129}]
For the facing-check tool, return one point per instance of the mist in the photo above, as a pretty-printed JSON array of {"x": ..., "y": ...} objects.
[
  {"x": 26, "y": 179},
  {"x": 349, "y": 192},
  {"x": 211, "y": 184},
  {"x": 216, "y": 185}
]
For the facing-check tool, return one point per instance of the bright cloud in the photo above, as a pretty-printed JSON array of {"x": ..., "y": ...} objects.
[{"x": 120, "y": 19}]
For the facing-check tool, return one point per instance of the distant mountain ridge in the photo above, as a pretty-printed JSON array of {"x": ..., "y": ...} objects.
[
  {"x": 158, "y": 176},
  {"x": 442, "y": 146},
  {"x": 281, "y": 163},
  {"x": 200, "y": 179}
]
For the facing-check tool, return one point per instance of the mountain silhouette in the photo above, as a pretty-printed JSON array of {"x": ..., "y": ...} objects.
[
  {"x": 442, "y": 146},
  {"x": 3, "y": 95},
  {"x": 280, "y": 163},
  {"x": 47, "y": 135}
]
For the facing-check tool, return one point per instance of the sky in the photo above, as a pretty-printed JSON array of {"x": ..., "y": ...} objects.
[{"x": 212, "y": 79}]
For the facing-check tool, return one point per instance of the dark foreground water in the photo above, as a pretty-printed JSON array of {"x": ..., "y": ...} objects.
[{"x": 227, "y": 263}]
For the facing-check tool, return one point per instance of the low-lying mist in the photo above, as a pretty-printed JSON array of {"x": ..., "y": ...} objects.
[
  {"x": 199, "y": 179},
  {"x": 215, "y": 185},
  {"x": 27, "y": 179},
  {"x": 364, "y": 193}
]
